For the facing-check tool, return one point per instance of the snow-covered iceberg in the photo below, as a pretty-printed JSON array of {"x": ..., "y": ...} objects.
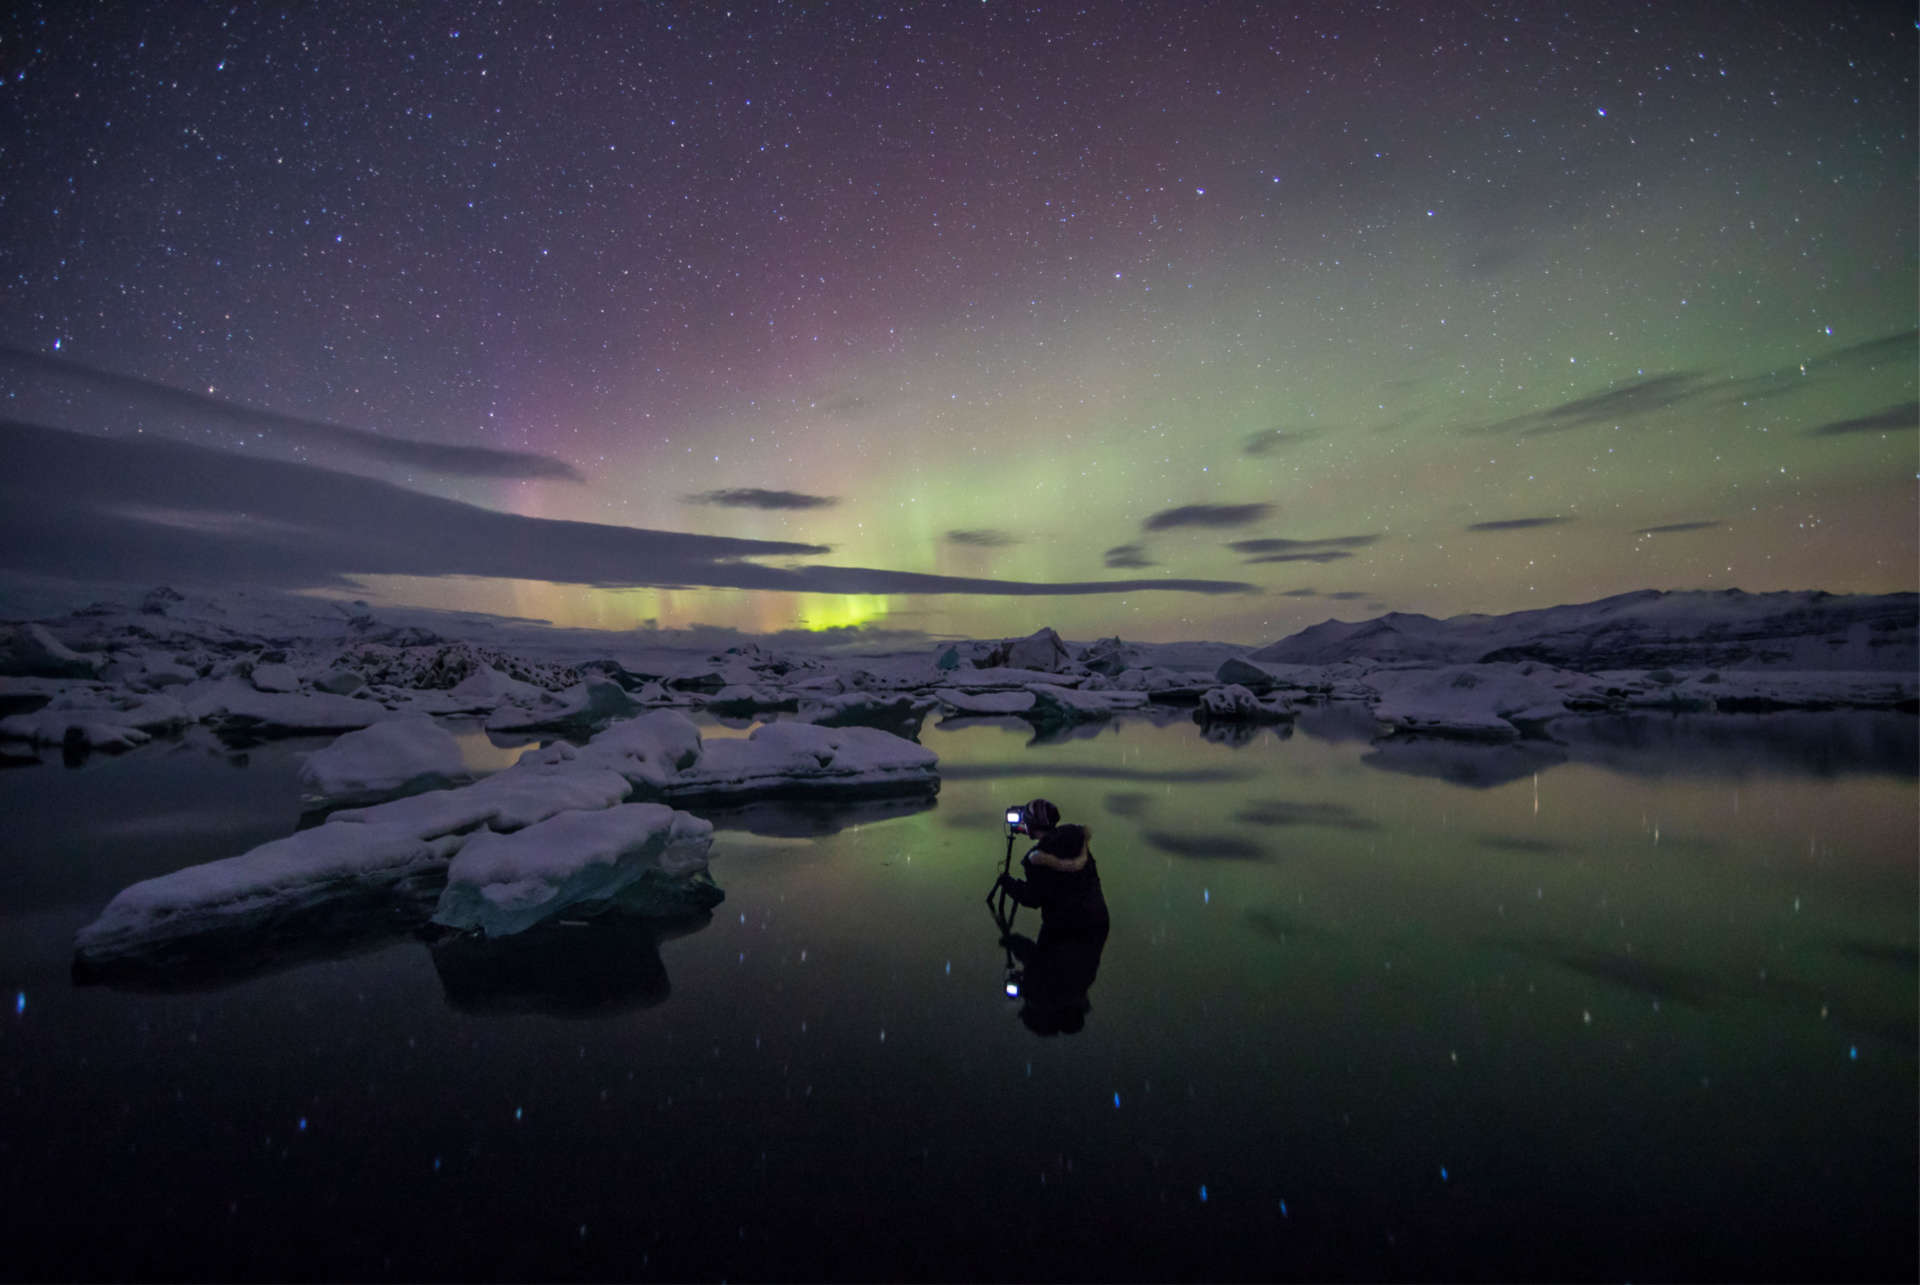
[
  {"x": 525, "y": 794},
  {"x": 775, "y": 759},
  {"x": 234, "y": 705},
  {"x": 639, "y": 857},
  {"x": 1231, "y": 703},
  {"x": 405, "y": 756},
  {"x": 268, "y": 888},
  {"x": 1492, "y": 702},
  {"x": 1054, "y": 704}
]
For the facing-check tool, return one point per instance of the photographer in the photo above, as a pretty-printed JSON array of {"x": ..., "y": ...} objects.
[{"x": 1063, "y": 883}]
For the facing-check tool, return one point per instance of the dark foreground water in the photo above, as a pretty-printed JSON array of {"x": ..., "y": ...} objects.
[{"x": 1638, "y": 1005}]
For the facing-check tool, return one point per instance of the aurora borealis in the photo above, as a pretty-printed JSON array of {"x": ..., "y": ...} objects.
[{"x": 1436, "y": 308}]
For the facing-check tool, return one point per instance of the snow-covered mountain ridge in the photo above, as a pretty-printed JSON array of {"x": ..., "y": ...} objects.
[{"x": 1648, "y": 629}]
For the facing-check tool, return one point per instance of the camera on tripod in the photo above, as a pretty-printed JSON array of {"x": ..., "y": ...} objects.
[{"x": 1017, "y": 819}]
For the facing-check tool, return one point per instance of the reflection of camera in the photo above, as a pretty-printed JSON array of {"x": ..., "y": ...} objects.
[{"x": 1016, "y": 819}]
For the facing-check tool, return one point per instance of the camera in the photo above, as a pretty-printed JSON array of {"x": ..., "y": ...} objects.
[{"x": 1016, "y": 819}]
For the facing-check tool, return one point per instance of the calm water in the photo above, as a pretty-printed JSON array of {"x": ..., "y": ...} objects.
[{"x": 1637, "y": 1005}]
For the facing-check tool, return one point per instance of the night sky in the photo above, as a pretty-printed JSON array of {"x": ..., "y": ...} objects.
[{"x": 1167, "y": 320}]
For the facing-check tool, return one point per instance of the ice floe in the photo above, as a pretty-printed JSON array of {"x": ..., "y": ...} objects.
[
  {"x": 641, "y": 857},
  {"x": 403, "y": 756}
]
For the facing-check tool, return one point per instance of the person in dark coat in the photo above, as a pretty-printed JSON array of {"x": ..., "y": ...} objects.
[{"x": 1062, "y": 881}]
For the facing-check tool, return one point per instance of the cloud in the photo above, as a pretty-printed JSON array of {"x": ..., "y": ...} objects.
[
  {"x": 1905, "y": 415},
  {"x": 1900, "y": 349},
  {"x": 1129, "y": 555},
  {"x": 750, "y": 497},
  {"x": 1346, "y": 595},
  {"x": 1207, "y": 515},
  {"x": 1301, "y": 593},
  {"x": 1623, "y": 401},
  {"x": 1302, "y": 546},
  {"x": 1320, "y": 555},
  {"x": 1269, "y": 440},
  {"x": 82, "y": 507},
  {"x": 1517, "y": 524},
  {"x": 1675, "y": 528},
  {"x": 294, "y": 430},
  {"x": 984, "y": 538}
]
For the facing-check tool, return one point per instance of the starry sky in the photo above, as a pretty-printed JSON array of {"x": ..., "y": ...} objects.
[{"x": 1171, "y": 320}]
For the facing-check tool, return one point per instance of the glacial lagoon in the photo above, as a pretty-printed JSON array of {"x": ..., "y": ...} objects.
[{"x": 1637, "y": 1002}]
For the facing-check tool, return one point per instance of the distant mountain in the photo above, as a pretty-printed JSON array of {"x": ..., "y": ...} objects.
[{"x": 1648, "y": 629}]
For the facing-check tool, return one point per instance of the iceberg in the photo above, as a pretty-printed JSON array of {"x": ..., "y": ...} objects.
[
  {"x": 266, "y": 889},
  {"x": 32, "y": 650},
  {"x": 866, "y": 709},
  {"x": 1232, "y": 703},
  {"x": 785, "y": 758},
  {"x": 527, "y": 793},
  {"x": 1493, "y": 702},
  {"x": 1014, "y": 702},
  {"x": 643, "y": 857},
  {"x": 1053, "y": 704},
  {"x": 233, "y": 705},
  {"x": 662, "y": 755},
  {"x": 596, "y": 700},
  {"x": 405, "y": 756}
]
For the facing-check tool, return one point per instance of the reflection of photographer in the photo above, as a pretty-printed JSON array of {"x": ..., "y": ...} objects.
[{"x": 1063, "y": 883}]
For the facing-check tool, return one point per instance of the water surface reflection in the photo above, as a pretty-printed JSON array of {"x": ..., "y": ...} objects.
[{"x": 1641, "y": 1003}]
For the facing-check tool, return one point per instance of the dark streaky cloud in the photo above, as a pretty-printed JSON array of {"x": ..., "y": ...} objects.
[
  {"x": 752, "y": 497},
  {"x": 1319, "y": 555},
  {"x": 1129, "y": 555},
  {"x": 1675, "y": 528},
  {"x": 94, "y": 508},
  {"x": 294, "y": 430},
  {"x": 1905, "y": 415},
  {"x": 1301, "y": 546},
  {"x": 1623, "y": 401},
  {"x": 984, "y": 538},
  {"x": 1517, "y": 524},
  {"x": 1207, "y": 515},
  {"x": 1269, "y": 440}
]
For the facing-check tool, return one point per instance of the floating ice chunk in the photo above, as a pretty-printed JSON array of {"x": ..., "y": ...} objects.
[
  {"x": 275, "y": 678},
  {"x": 1053, "y": 704},
  {"x": 157, "y": 672},
  {"x": 1041, "y": 650},
  {"x": 865, "y": 709},
  {"x": 32, "y": 650},
  {"x": 232, "y": 704},
  {"x": 741, "y": 699},
  {"x": 92, "y": 729},
  {"x": 156, "y": 714},
  {"x": 596, "y": 700},
  {"x": 663, "y": 756},
  {"x": 272, "y": 883},
  {"x": 648, "y": 751},
  {"x": 642, "y": 857},
  {"x": 404, "y": 756},
  {"x": 340, "y": 681},
  {"x": 487, "y": 688},
  {"x": 526, "y": 793},
  {"x": 1482, "y": 701},
  {"x": 1233, "y": 703},
  {"x": 1015, "y": 702}
]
